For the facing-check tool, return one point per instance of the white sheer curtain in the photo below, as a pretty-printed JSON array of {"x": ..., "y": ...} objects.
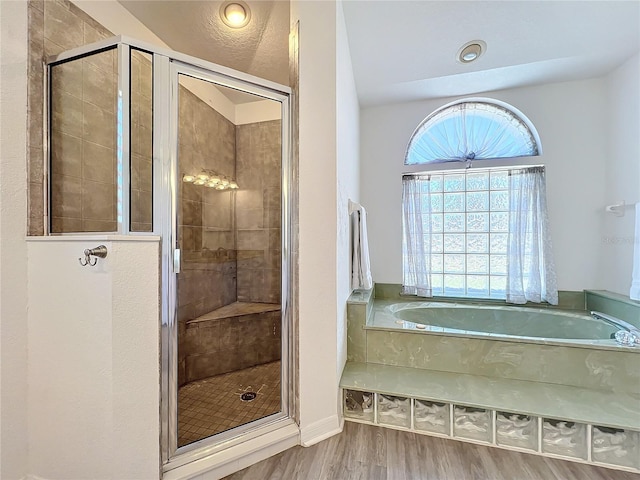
[
  {"x": 470, "y": 131},
  {"x": 531, "y": 274},
  {"x": 416, "y": 235}
]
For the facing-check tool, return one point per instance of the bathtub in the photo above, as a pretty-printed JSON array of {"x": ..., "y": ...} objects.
[
  {"x": 537, "y": 325},
  {"x": 521, "y": 343}
]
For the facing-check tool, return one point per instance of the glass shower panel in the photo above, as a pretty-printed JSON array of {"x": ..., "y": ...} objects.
[
  {"x": 82, "y": 135},
  {"x": 229, "y": 285},
  {"x": 141, "y": 145}
]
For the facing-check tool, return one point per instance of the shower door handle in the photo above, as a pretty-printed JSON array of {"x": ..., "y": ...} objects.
[{"x": 176, "y": 260}]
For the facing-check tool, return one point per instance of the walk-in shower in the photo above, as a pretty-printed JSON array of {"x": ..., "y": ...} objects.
[{"x": 146, "y": 141}]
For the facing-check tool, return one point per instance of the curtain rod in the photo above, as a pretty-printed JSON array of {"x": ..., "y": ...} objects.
[{"x": 464, "y": 170}]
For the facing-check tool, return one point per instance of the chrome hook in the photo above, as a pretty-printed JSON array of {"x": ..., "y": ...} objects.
[{"x": 99, "y": 252}]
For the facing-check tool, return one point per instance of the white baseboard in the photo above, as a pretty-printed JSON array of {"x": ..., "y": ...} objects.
[
  {"x": 321, "y": 430},
  {"x": 240, "y": 456}
]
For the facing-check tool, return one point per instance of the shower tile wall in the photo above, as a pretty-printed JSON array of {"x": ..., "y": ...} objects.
[
  {"x": 56, "y": 26},
  {"x": 83, "y": 133},
  {"x": 208, "y": 277},
  {"x": 258, "y": 206},
  {"x": 231, "y": 343},
  {"x": 207, "y": 280}
]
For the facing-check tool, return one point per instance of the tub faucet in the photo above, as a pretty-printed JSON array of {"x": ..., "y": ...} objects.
[{"x": 629, "y": 335}]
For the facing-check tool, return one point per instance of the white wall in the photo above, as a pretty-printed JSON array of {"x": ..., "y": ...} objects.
[
  {"x": 13, "y": 250},
  {"x": 623, "y": 174},
  {"x": 94, "y": 359},
  {"x": 569, "y": 118},
  {"x": 348, "y": 173},
  {"x": 260, "y": 111},
  {"x": 318, "y": 221}
]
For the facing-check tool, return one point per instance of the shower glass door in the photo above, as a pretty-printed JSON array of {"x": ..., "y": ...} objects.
[
  {"x": 231, "y": 358},
  {"x": 149, "y": 141}
]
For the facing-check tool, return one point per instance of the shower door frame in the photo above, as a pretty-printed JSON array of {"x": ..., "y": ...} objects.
[
  {"x": 167, "y": 64},
  {"x": 168, "y": 73}
]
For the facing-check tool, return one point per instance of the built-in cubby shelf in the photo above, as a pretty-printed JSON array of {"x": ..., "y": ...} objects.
[{"x": 424, "y": 402}]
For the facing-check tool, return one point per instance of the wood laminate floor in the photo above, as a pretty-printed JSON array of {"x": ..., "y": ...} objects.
[{"x": 365, "y": 452}]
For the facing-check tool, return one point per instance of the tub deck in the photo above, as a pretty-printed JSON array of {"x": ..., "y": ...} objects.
[{"x": 548, "y": 400}]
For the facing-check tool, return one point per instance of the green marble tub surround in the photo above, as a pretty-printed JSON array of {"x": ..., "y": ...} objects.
[
  {"x": 609, "y": 370},
  {"x": 388, "y": 291},
  {"x": 570, "y": 300},
  {"x": 564, "y": 402},
  {"x": 376, "y": 335},
  {"x": 589, "y": 363},
  {"x": 359, "y": 308},
  {"x": 614, "y": 304},
  {"x": 361, "y": 296}
]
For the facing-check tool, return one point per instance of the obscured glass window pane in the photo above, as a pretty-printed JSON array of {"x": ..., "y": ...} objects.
[{"x": 469, "y": 232}]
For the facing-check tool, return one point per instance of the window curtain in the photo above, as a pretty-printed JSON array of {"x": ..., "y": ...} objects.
[
  {"x": 470, "y": 131},
  {"x": 416, "y": 236},
  {"x": 531, "y": 273}
]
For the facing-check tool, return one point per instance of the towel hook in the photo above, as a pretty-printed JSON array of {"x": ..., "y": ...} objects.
[{"x": 99, "y": 252}]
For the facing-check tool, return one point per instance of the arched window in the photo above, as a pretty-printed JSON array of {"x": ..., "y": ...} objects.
[
  {"x": 473, "y": 129},
  {"x": 476, "y": 233}
]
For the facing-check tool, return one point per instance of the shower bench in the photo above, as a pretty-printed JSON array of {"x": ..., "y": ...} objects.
[{"x": 233, "y": 337}]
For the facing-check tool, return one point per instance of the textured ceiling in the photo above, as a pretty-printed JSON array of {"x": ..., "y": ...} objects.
[
  {"x": 405, "y": 50},
  {"x": 195, "y": 28}
]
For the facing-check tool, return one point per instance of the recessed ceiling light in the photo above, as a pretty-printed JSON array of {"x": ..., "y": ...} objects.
[
  {"x": 235, "y": 14},
  {"x": 471, "y": 51}
]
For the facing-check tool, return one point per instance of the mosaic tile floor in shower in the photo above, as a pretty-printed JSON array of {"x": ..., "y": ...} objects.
[{"x": 213, "y": 405}]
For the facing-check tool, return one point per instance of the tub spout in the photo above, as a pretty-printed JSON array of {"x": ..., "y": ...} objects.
[{"x": 629, "y": 335}]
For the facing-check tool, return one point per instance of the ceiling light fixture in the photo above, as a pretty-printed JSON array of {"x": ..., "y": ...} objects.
[
  {"x": 235, "y": 14},
  {"x": 471, "y": 51}
]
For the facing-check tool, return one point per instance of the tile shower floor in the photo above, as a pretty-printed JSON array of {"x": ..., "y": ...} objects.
[{"x": 213, "y": 405}]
